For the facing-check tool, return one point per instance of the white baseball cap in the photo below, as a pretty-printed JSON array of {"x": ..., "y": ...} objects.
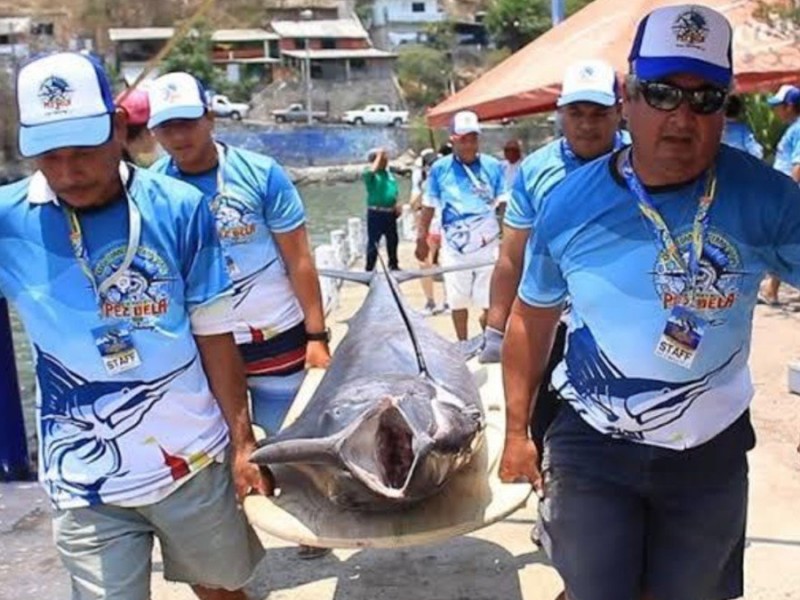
[
  {"x": 64, "y": 101},
  {"x": 465, "y": 122},
  {"x": 176, "y": 96},
  {"x": 589, "y": 81},
  {"x": 786, "y": 94},
  {"x": 689, "y": 39}
]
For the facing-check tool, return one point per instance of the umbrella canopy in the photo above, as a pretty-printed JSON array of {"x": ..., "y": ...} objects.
[{"x": 765, "y": 54}]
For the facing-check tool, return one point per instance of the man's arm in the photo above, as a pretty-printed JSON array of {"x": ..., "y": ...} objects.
[
  {"x": 294, "y": 248},
  {"x": 506, "y": 276},
  {"x": 224, "y": 369},
  {"x": 423, "y": 227},
  {"x": 796, "y": 172},
  {"x": 529, "y": 339}
]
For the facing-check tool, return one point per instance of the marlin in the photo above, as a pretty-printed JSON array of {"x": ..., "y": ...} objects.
[{"x": 396, "y": 414}]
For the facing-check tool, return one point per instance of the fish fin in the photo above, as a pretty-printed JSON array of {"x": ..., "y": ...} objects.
[
  {"x": 414, "y": 274},
  {"x": 296, "y": 450},
  {"x": 354, "y": 276}
]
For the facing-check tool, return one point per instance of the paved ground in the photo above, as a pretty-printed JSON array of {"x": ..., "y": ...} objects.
[{"x": 497, "y": 563}]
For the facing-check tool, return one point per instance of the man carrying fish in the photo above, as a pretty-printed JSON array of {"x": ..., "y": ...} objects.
[
  {"x": 644, "y": 482},
  {"x": 466, "y": 187},
  {"x": 119, "y": 279}
]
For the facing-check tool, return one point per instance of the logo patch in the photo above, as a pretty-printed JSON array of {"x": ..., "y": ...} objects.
[
  {"x": 235, "y": 220},
  {"x": 691, "y": 29},
  {"x": 55, "y": 94},
  {"x": 139, "y": 296},
  {"x": 719, "y": 281},
  {"x": 170, "y": 93}
]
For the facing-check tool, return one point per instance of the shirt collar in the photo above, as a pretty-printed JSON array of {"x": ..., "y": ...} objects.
[{"x": 40, "y": 192}]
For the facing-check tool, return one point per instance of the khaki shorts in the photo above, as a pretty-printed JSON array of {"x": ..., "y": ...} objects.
[
  {"x": 469, "y": 287},
  {"x": 205, "y": 540}
]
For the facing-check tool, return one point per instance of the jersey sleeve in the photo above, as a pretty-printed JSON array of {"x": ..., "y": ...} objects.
[
  {"x": 283, "y": 208},
  {"x": 519, "y": 212},
  {"x": 784, "y": 256},
  {"x": 542, "y": 283},
  {"x": 204, "y": 269}
]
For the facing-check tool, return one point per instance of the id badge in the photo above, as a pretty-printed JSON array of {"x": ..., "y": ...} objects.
[
  {"x": 115, "y": 344},
  {"x": 681, "y": 337}
]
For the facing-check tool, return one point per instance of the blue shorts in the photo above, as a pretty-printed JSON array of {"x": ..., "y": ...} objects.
[{"x": 620, "y": 519}]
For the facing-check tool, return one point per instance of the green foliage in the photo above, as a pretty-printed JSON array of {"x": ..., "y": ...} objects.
[
  {"x": 441, "y": 35},
  {"x": 767, "y": 128},
  {"x": 515, "y": 23},
  {"x": 420, "y": 136},
  {"x": 423, "y": 73},
  {"x": 193, "y": 55}
]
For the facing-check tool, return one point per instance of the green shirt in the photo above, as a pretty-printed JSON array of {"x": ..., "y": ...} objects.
[{"x": 381, "y": 188}]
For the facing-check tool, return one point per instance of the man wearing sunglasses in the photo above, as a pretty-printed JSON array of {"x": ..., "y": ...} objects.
[{"x": 644, "y": 480}]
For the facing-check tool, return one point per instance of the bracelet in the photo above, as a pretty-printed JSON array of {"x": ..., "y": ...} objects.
[{"x": 320, "y": 336}]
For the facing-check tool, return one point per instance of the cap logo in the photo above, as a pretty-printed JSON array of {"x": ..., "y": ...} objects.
[
  {"x": 691, "y": 29},
  {"x": 170, "y": 93},
  {"x": 55, "y": 94},
  {"x": 587, "y": 72}
]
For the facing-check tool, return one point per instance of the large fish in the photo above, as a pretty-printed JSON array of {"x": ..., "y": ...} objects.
[{"x": 396, "y": 414}]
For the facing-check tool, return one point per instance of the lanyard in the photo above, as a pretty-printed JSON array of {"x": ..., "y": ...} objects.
[
  {"x": 220, "y": 169},
  {"x": 82, "y": 254},
  {"x": 474, "y": 179},
  {"x": 691, "y": 270},
  {"x": 568, "y": 154}
]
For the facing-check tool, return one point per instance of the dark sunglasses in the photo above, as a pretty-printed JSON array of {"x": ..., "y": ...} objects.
[{"x": 667, "y": 97}]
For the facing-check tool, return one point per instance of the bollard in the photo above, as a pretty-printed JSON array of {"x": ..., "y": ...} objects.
[
  {"x": 339, "y": 243},
  {"x": 325, "y": 258},
  {"x": 355, "y": 241},
  {"x": 14, "y": 462},
  {"x": 794, "y": 377},
  {"x": 409, "y": 223}
]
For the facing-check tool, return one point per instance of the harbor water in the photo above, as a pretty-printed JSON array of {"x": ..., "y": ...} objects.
[{"x": 327, "y": 206}]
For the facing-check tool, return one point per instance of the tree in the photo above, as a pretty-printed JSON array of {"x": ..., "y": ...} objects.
[
  {"x": 515, "y": 23},
  {"x": 193, "y": 55},
  {"x": 423, "y": 73}
]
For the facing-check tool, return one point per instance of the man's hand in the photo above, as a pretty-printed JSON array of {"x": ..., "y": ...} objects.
[
  {"x": 492, "y": 346},
  {"x": 248, "y": 477},
  {"x": 318, "y": 356},
  {"x": 519, "y": 462},
  {"x": 423, "y": 250}
]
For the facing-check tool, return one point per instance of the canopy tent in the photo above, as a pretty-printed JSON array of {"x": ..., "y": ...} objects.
[{"x": 765, "y": 55}]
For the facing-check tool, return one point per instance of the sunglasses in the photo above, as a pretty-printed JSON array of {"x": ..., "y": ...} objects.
[{"x": 667, "y": 97}]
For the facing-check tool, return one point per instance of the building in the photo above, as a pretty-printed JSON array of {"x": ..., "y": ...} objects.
[
  {"x": 290, "y": 10},
  {"x": 242, "y": 53},
  {"x": 398, "y": 22},
  {"x": 337, "y": 50}
]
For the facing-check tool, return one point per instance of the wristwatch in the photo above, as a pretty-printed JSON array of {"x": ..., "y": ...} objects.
[{"x": 321, "y": 336}]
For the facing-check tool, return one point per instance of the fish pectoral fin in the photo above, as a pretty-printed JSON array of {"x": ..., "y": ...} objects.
[{"x": 298, "y": 450}]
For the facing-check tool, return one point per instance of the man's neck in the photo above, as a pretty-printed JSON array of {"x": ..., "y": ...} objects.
[
  {"x": 205, "y": 162},
  {"x": 659, "y": 174},
  {"x": 109, "y": 193}
]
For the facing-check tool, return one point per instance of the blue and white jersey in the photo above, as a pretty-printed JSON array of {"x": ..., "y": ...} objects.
[
  {"x": 623, "y": 287},
  {"x": 107, "y": 439},
  {"x": 257, "y": 200},
  {"x": 739, "y": 135},
  {"x": 467, "y": 196},
  {"x": 787, "y": 154},
  {"x": 539, "y": 173}
]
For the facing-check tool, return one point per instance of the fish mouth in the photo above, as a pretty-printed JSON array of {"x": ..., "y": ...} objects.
[{"x": 384, "y": 449}]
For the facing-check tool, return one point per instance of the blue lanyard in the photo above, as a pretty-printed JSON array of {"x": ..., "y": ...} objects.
[
  {"x": 82, "y": 254},
  {"x": 690, "y": 268},
  {"x": 568, "y": 154}
]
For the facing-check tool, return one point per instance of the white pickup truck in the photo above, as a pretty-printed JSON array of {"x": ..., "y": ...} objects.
[
  {"x": 376, "y": 114},
  {"x": 222, "y": 107}
]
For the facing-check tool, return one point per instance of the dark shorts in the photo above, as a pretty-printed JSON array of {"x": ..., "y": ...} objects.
[{"x": 620, "y": 518}]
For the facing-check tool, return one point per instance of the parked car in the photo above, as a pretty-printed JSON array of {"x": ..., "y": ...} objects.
[
  {"x": 222, "y": 107},
  {"x": 376, "y": 114},
  {"x": 296, "y": 113}
]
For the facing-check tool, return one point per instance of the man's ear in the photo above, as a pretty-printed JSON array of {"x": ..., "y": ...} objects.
[{"x": 120, "y": 121}]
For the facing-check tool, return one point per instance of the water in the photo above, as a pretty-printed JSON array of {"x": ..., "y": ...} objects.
[{"x": 328, "y": 207}]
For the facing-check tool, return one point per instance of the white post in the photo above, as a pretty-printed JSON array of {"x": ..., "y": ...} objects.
[
  {"x": 794, "y": 377},
  {"x": 409, "y": 223},
  {"x": 325, "y": 258},
  {"x": 355, "y": 240},
  {"x": 339, "y": 243}
]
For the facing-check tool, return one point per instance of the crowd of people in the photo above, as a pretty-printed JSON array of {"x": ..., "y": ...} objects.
[{"x": 172, "y": 302}]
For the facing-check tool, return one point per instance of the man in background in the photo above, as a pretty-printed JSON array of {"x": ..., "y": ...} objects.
[{"x": 382, "y": 209}]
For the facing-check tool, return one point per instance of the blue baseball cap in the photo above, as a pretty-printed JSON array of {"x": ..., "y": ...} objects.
[
  {"x": 64, "y": 101},
  {"x": 685, "y": 39},
  {"x": 176, "y": 96},
  {"x": 786, "y": 94}
]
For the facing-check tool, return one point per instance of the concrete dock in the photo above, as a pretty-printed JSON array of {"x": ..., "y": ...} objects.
[{"x": 496, "y": 563}]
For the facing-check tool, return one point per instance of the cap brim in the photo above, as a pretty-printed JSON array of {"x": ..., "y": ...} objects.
[
  {"x": 176, "y": 112},
  {"x": 774, "y": 101},
  {"x": 587, "y": 96},
  {"x": 73, "y": 133},
  {"x": 467, "y": 132},
  {"x": 659, "y": 68}
]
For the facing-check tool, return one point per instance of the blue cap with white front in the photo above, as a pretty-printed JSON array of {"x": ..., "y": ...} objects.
[
  {"x": 786, "y": 94},
  {"x": 176, "y": 96},
  {"x": 683, "y": 40},
  {"x": 64, "y": 101}
]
